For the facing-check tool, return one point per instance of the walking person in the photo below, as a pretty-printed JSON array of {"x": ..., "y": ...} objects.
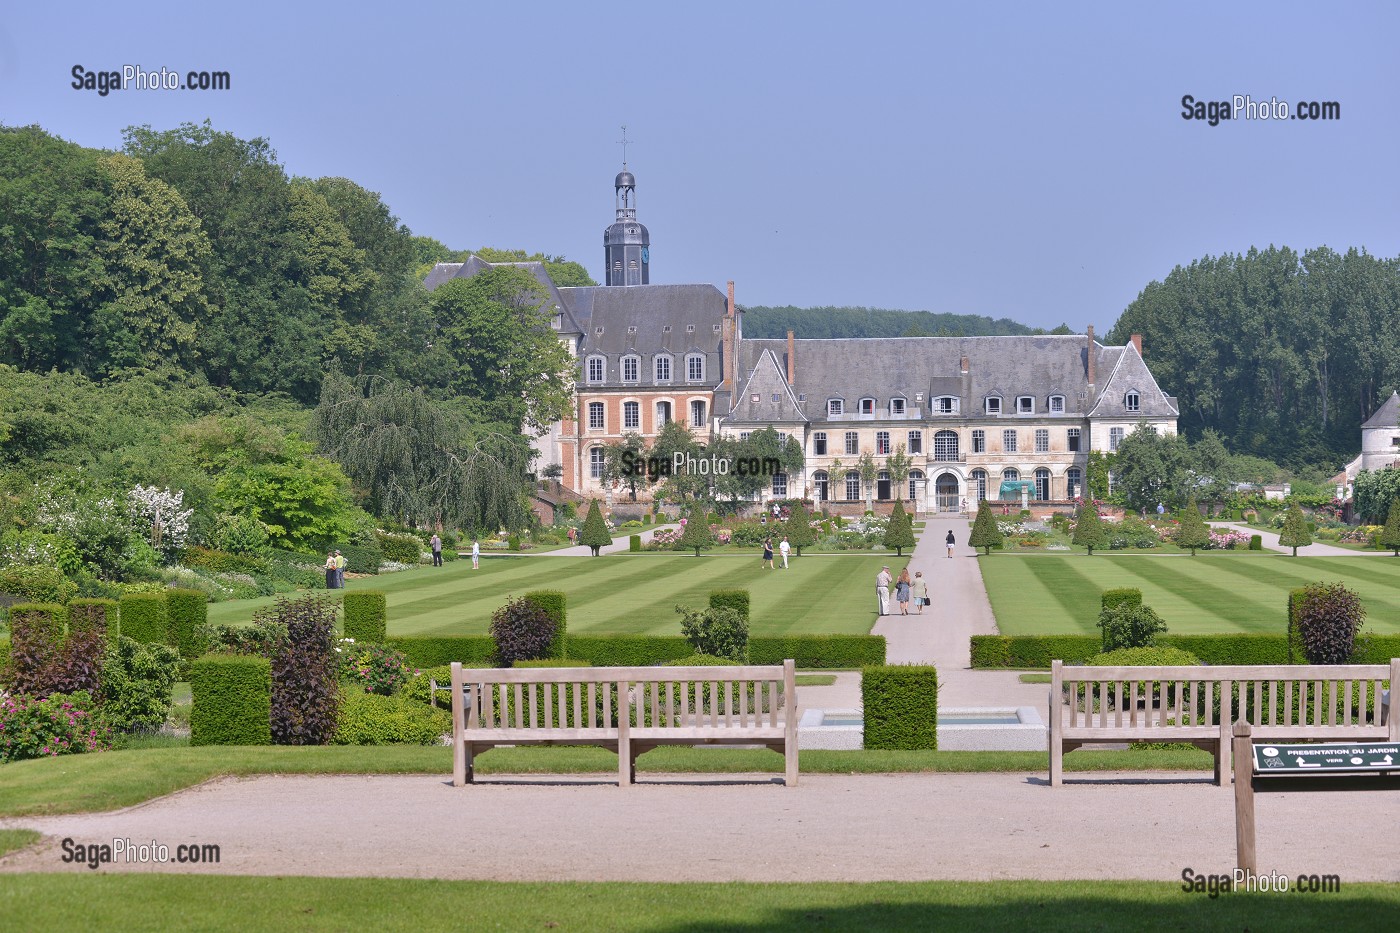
[
  {"x": 768, "y": 553},
  {"x": 783, "y": 549},
  {"x": 949, "y": 541},
  {"x": 919, "y": 589},
  {"x": 436, "y": 544},
  {"x": 330, "y": 570},
  {"x": 882, "y": 590},
  {"x": 476, "y": 555},
  {"x": 340, "y": 564},
  {"x": 901, "y": 591}
]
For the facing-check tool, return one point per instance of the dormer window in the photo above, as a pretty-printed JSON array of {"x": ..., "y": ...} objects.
[
  {"x": 1057, "y": 404},
  {"x": 595, "y": 369},
  {"x": 945, "y": 405},
  {"x": 631, "y": 368},
  {"x": 835, "y": 406},
  {"x": 993, "y": 404},
  {"x": 896, "y": 406},
  {"x": 1132, "y": 402},
  {"x": 694, "y": 367},
  {"x": 662, "y": 369},
  {"x": 867, "y": 406},
  {"x": 1025, "y": 404}
]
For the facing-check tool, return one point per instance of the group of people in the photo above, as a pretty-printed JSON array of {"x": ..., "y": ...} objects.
[
  {"x": 783, "y": 548},
  {"x": 335, "y": 570},
  {"x": 905, "y": 588}
]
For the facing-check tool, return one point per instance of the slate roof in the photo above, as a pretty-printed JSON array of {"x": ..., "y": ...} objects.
[
  {"x": 905, "y": 367},
  {"x": 1387, "y": 416},
  {"x": 649, "y": 320},
  {"x": 766, "y": 398},
  {"x": 1128, "y": 374}
]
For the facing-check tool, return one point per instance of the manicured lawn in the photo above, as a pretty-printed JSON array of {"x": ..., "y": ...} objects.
[
  {"x": 1213, "y": 592},
  {"x": 216, "y": 903},
  {"x": 13, "y": 839},
  {"x": 109, "y": 780},
  {"x": 626, "y": 593}
]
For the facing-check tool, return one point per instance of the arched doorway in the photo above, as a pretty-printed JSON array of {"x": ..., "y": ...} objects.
[
  {"x": 945, "y": 490},
  {"x": 819, "y": 482}
]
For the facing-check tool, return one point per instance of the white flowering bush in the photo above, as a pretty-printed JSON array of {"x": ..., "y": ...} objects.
[{"x": 159, "y": 512}]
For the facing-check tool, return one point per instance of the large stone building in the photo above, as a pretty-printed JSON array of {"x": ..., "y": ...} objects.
[{"x": 979, "y": 417}]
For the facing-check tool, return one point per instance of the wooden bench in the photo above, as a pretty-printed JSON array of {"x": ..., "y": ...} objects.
[
  {"x": 629, "y": 710},
  {"x": 1195, "y": 705}
]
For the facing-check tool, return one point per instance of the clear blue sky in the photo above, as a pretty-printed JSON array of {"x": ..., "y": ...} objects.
[{"x": 1019, "y": 160}]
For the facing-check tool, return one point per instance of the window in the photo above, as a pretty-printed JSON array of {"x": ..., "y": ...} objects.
[
  {"x": 1115, "y": 437},
  {"x": 882, "y": 442},
  {"x": 852, "y": 442},
  {"x": 1073, "y": 482},
  {"x": 852, "y": 484},
  {"x": 945, "y": 446},
  {"x": 882, "y": 486},
  {"x": 819, "y": 484},
  {"x": 596, "y": 459},
  {"x": 1008, "y": 441},
  {"x": 697, "y": 414},
  {"x": 916, "y": 442},
  {"x": 780, "y": 485},
  {"x": 896, "y": 406},
  {"x": 819, "y": 444},
  {"x": 1011, "y": 475},
  {"x": 979, "y": 479},
  {"x": 744, "y": 435},
  {"x": 595, "y": 416},
  {"x": 867, "y": 406},
  {"x": 1042, "y": 441},
  {"x": 595, "y": 369},
  {"x": 1111, "y": 482},
  {"x": 979, "y": 441},
  {"x": 663, "y": 414},
  {"x": 1057, "y": 404},
  {"x": 695, "y": 367},
  {"x": 631, "y": 366},
  {"x": 835, "y": 406},
  {"x": 663, "y": 369},
  {"x": 631, "y": 415},
  {"x": 945, "y": 405},
  {"x": 993, "y": 405},
  {"x": 1072, "y": 441},
  {"x": 916, "y": 477},
  {"x": 1042, "y": 484},
  {"x": 1132, "y": 402},
  {"x": 1025, "y": 405}
]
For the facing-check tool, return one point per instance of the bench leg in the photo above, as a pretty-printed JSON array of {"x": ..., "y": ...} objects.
[
  {"x": 1057, "y": 764},
  {"x": 790, "y": 760},
  {"x": 459, "y": 769},
  {"x": 469, "y": 763}
]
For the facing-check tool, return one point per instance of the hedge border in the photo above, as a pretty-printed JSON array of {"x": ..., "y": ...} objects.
[
  {"x": 232, "y": 700},
  {"x": 900, "y": 706},
  {"x": 366, "y": 616},
  {"x": 554, "y": 603},
  {"x": 186, "y": 612},
  {"x": 144, "y": 617},
  {"x": 993, "y": 652}
]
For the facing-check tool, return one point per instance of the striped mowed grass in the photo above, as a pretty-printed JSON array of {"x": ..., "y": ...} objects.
[
  {"x": 1213, "y": 592},
  {"x": 622, "y": 594}
]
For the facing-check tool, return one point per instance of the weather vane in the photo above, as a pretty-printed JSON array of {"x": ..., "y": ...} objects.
[{"x": 624, "y": 141}]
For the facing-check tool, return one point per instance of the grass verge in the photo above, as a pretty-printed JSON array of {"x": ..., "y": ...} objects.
[
  {"x": 12, "y": 840},
  {"x": 217, "y": 903},
  {"x": 110, "y": 780},
  {"x": 1035, "y": 678},
  {"x": 815, "y": 680}
]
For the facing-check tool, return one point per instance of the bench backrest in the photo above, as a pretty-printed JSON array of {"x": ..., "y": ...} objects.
[
  {"x": 602, "y": 698},
  {"x": 1338, "y": 696}
]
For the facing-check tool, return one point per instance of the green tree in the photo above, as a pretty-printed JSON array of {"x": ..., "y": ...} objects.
[
  {"x": 1192, "y": 532},
  {"x": 1295, "y": 532},
  {"x": 1096, "y": 472},
  {"x": 681, "y": 485},
  {"x": 697, "y": 532},
  {"x": 898, "y": 466},
  {"x": 1390, "y": 534},
  {"x": 798, "y": 528},
  {"x": 985, "y": 533},
  {"x": 1211, "y": 468},
  {"x": 622, "y": 461},
  {"x": 899, "y": 533},
  {"x": 508, "y": 362},
  {"x": 595, "y": 531},
  {"x": 1373, "y": 491},
  {"x": 1149, "y": 468},
  {"x": 1089, "y": 531},
  {"x": 869, "y": 472}
]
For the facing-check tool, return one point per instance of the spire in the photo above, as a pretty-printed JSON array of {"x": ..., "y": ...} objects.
[{"x": 626, "y": 243}]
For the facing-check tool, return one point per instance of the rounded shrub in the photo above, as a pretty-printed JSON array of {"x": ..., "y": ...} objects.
[
  {"x": 1324, "y": 620},
  {"x": 232, "y": 700},
  {"x": 522, "y": 632},
  {"x": 1129, "y": 626},
  {"x": 370, "y": 719}
]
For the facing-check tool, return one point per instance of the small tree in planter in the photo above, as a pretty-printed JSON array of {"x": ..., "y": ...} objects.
[
  {"x": 985, "y": 533},
  {"x": 899, "y": 534},
  {"x": 697, "y": 532},
  {"x": 1089, "y": 531},
  {"x": 595, "y": 531},
  {"x": 1192, "y": 533},
  {"x": 799, "y": 529},
  {"x": 1295, "y": 532},
  {"x": 1390, "y": 534}
]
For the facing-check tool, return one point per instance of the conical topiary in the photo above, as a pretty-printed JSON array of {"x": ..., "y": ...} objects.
[
  {"x": 1390, "y": 534},
  {"x": 985, "y": 533},
  {"x": 595, "y": 530},
  {"x": 697, "y": 532},
  {"x": 1193, "y": 532},
  {"x": 899, "y": 534},
  {"x": 798, "y": 529},
  {"x": 1088, "y": 528},
  {"x": 1295, "y": 532}
]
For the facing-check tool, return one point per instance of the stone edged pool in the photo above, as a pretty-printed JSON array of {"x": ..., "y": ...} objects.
[{"x": 965, "y": 729}]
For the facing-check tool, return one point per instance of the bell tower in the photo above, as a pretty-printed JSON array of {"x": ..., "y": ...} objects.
[{"x": 626, "y": 243}]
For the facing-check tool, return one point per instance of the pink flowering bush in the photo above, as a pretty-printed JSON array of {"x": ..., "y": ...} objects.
[
  {"x": 722, "y": 534},
  {"x": 60, "y": 724},
  {"x": 378, "y": 669},
  {"x": 1225, "y": 540},
  {"x": 665, "y": 539}
]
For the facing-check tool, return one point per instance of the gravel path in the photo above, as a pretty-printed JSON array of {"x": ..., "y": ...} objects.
[{"x": 705, "y": 828}]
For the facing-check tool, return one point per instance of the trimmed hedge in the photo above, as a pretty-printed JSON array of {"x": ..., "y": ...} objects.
[
  {"x": 187, "y": 611},
  {"x": 1292, "y": 635},
  {"x": 362, "y": 558},
  {"x": 738, "y": 600},
  {"x": 554, "y": 604},
  {"x": 629, "y": 650},
  {"x": 404, "y": 549},
  {"x": 900, "y": 704},
  {"x": 819, "y": 652},
  {"x": 366, "y": 616},
  {"x": 1037, "y": 651},
  {"x": 634, "y": 543},
  {"x": 1120, "y": 596},
  {"x": 1256, "y": 542},
  {"x": 549, "y": 662},
  {"x": 370, "y": 719},
  {"x": 94, "y": 613},
  {"x": 145, "y": 618},
  {"x": 36, "y": 660},
  {"x": 203, "y": 558},
  {"x": 425, "y": 651},
  {"x": 232, "y": 700}
]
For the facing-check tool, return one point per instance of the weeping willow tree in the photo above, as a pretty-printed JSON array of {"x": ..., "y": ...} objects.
[{"x": 416, "y": 459}]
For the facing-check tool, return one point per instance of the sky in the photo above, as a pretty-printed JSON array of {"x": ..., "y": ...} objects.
[{"x": 1028, "y": 161}]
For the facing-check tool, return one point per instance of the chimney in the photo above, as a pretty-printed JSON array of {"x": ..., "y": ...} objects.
[
  {"x": 791, "y": 360},
  {"x": 1089, "y": 356},
  {"x": 1137, "y": 342},
  {"x": 966, "y": 367},
  {"x": 727, "y": 343}
]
